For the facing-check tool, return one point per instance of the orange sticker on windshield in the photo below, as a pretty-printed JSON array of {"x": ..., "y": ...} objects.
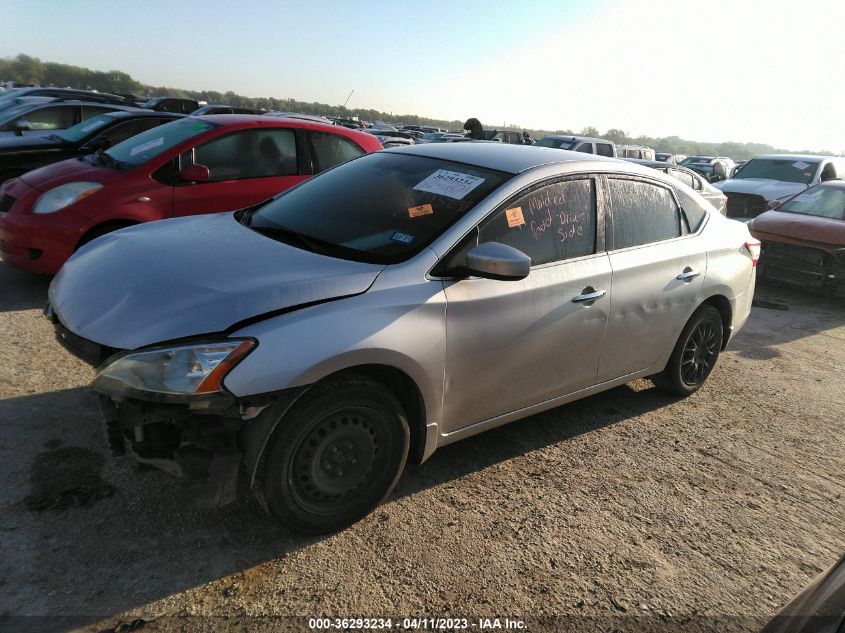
[
  {"x": 423, "y": 209},
  {"x": 515, "y": 217}
]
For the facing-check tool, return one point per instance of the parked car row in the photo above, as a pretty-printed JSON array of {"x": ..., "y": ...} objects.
[{"x": 186, "y": 166}]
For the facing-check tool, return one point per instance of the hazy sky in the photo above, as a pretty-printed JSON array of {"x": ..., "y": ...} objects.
[{"x": 766, "y": 71}]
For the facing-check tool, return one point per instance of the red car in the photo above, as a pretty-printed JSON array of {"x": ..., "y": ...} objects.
[
  {"x": 803, "y": 239},
  {"x": 191, "y": 166}
]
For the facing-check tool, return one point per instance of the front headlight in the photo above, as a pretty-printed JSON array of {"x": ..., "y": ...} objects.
[
  {"x": 63, "y": 196},
  {"x": 185, "y": 370}
]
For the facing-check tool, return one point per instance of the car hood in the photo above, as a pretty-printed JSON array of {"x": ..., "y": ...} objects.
[
  {"x": 71, "y": 170},
  {"x": 798, "y": 227},
  {"x": 769, "y": 189},
  {"x": 190, "y": 276}
]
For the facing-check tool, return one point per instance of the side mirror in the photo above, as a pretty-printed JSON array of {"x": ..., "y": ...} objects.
[
  {"x": 196, "y": 173},
  {"x": 774, "y": 204},
  {"x": 21, "y": 126},
  {"x": 493, "y": 260}
]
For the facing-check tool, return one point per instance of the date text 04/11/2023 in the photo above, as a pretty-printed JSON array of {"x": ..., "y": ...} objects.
[{"x": 414, "y": 623}]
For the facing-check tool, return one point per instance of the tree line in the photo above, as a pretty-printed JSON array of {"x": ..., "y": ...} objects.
[{"x": 24, "y": 69}]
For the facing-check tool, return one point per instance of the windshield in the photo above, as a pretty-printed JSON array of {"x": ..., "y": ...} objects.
[
  {"x": 822, "y": 201},
  {"x": 783, "y": 169},
  {"x": 691, "y": 160},
  {"x": 147, "y": 145},
  {"x": 381, "y": 208},
  {"x": 432, "y": 135},
  {"x": 81, "y": 130},
  {"x": 556, "y": 143}
]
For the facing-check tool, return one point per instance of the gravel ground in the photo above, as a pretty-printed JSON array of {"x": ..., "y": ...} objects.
[{"x": 628, "y": 509}]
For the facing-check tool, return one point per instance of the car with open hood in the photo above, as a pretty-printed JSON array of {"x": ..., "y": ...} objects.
[
  {"x": 803, "y": 239},
  {"x": 402, "y": 301},
  {"x": 190, "y": 166},
  {"x": 775, "y": 177}
]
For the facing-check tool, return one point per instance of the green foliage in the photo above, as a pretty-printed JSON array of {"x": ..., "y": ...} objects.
[{"x": 24, "y": 69}]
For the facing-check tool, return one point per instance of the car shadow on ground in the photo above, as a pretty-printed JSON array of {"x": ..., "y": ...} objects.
[
  {"x": 124, "y": 538},
  {"x": 773, "y": 319},
  {"x": 22, "y": 290}
]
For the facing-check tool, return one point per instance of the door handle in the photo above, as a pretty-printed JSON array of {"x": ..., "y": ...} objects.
[
  {"x": 589, "y": 295},
  {"x": 688, "y": 274}
]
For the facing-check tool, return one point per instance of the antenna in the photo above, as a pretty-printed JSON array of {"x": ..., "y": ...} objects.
[{"x": 348, "y": 98}]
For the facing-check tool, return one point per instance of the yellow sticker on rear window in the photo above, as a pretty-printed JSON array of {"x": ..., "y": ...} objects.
[
  {"x": 423, "y": 209},
  {"x": 515, "y": 217}
]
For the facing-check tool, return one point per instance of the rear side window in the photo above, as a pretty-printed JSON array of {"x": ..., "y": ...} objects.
[
  {"x": 332, "y": 149},
  {"x": 693, "y": 210},
  {"x": 585, "y": 148},
  {"x": 249, "y": 154},
  {"x": 683, "y": 176},
  {"x": 604, "y": 149},
  {"x": 643, "y": 213},
  {"x": 50, "y": 118},
  {"x": 552, "y": 223},
  {"x": 89, "y": 112}
]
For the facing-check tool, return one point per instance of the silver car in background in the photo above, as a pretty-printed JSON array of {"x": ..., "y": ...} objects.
[
  {"x": 394, "y": 304},
  {"x": 692, "y": 179}
]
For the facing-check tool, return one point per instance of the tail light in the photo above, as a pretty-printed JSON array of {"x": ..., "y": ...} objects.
[{"x": 753, "y": 247}]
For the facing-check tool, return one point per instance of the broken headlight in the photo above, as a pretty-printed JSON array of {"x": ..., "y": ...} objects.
[{"x": 184, "y": 370}]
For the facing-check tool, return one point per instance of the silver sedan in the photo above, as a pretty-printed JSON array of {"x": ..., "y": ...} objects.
[{"x": 394, "y": 304}]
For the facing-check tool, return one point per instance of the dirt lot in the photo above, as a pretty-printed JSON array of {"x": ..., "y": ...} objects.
[{"x": 628, "y": 509}]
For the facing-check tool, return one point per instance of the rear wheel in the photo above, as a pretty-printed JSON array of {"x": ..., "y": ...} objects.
[
  {"x": 695, "y": 354},
  {"x": 335, "y": 457}
]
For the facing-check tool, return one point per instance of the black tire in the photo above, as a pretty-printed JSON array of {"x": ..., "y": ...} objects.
[
  {"x": 695, "y": 354},
  {"x": 335, "y": 457},
  {"x": 99, "y": 231}
]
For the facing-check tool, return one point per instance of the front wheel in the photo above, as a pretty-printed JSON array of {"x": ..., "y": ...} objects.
[
  {"x": 336, "y": 456},
  {"x": 695, "y": 354}
]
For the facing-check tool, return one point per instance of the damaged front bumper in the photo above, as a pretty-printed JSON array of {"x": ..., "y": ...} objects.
[
  {"x": 211, "y": 440},
  {"x": 805, "y": 266},
  {"x": 212, "y": 449}
]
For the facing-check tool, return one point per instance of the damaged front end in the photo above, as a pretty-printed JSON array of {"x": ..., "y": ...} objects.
[
  {"x": 166, "y": 406},
  {"x": 808, "y": 267},
  {"x": 202, "y": 448}
]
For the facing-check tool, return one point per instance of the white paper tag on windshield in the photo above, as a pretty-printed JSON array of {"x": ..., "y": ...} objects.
[
  {"x": 143, "y": 147},
  {"x": 808, "y": 197},
  {"x": 800, "y": 165},
  {"x": 452, "y": 184}
]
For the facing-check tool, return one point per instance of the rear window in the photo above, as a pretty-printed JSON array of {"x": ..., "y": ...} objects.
[
  {"x": 380, "y": 208},
  {"x": 147, "y": 145},
  {"x": 556, "y": 143},
  {"x": 821, "y": 201}
]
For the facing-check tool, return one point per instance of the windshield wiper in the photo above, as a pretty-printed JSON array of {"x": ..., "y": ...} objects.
[
  {"x": 277, "y": 231},
  {"x": 107, "y": 159}
]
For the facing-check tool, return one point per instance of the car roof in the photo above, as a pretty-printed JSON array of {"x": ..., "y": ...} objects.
[
  {"x": 126, "y": 112},
  {"x": 575, "y": 137},
  {"x": 792, "y": 156},
  {"x": 659, "y": 164},
  {"x": 244, "y": 121},
  {"x": 508, "y": 158}
]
